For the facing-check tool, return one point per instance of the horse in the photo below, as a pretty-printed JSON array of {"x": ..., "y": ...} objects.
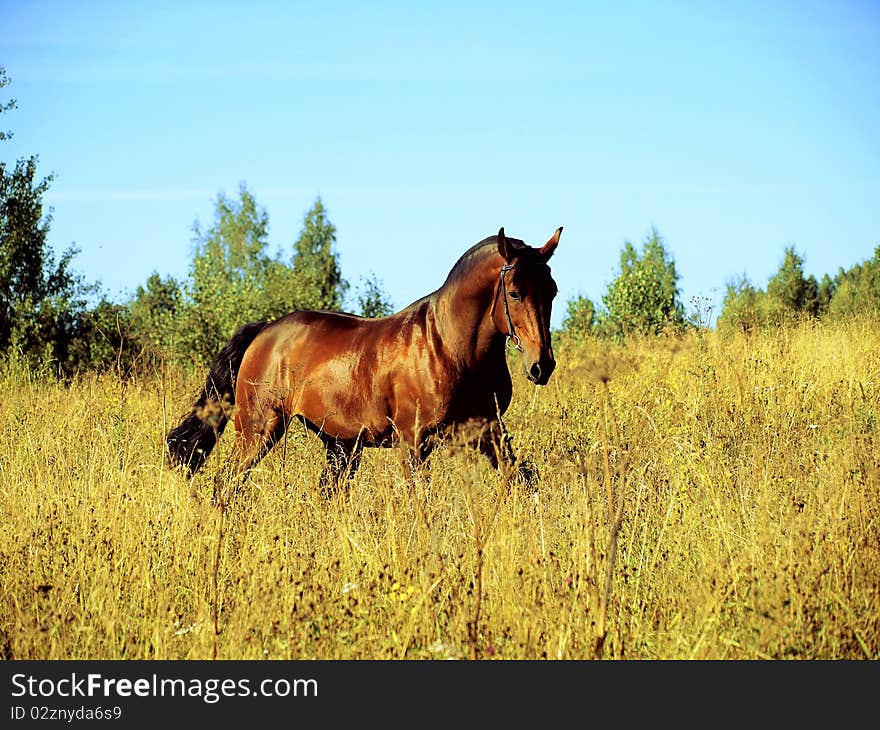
[{"x": 401, "y": 380}]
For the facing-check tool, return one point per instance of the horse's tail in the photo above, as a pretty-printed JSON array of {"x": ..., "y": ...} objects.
[{"x": 191, "y": 441}]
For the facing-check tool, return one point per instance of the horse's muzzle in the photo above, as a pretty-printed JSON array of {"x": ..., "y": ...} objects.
[{"x": 539, "y": 372}]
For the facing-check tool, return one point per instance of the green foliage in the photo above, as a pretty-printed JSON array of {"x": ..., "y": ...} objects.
[
  {"x": 580, "y": 317},
  {"x": 826, "y": 292},
  {"x": 153, "y": 314},
  {"x": 743, "y": 306},
  {"x": 790, "y": 296},
  {"x": 644, "y": 298},
  {"x": 9, "y": 105},
  {"x": 104, "y": 340},
  {"x": 42, "y": 301},
  {"x": 233, "y": 280},
  {"x": 228, "y": 280},
  {"x": 316, "y": 263},
  {"x": 372, "y": 299},
  {"x": 857, "y": 290}
]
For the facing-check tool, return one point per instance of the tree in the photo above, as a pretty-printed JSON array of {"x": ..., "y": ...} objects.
[
  {"x": 104, "y": 340},
  {"x": 372, "y": 299},
  {"x": 789, "y": 296},
  {"x": 41, "y": 301},
  {"x": 153, "y": 313},
  {"x": 580, "y": 317},
  {"x": 644, "y": 298},
  {"x": 827, "y": 288},
  {"x": 232, "y": 279},
  {"x": 857, "y": 290},
  {"x": 316, "y": 263},
  {"x": 789, "y": 293},
  {"x": 743, "y": 306},
  {"x": 9, "y": 105}
]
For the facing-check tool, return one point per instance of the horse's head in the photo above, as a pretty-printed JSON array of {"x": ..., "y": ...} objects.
[{"x": 523, "y": 302}]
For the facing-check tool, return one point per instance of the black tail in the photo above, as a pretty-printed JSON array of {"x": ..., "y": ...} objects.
[{"x": 191, "y": 442}]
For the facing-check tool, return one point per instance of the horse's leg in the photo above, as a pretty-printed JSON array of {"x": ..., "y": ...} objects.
[
  {"x": 416, "y": 457},
  {"x": 343, "y": 460},
  {"x": 495, "y": 445},
  {"x": 254, "y": 438},
  {"x": 354, "y": 459}
]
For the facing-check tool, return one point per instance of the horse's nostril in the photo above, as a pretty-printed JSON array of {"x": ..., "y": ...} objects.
[{"x": 535, "y": 371}]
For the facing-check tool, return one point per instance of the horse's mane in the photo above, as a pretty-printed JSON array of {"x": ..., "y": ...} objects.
[{"x": 476, "y": 252}]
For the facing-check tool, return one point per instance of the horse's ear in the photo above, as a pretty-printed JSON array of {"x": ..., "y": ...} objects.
[
  {"x": 503, "y": 248},
  {"x": 548, "y": 248}
]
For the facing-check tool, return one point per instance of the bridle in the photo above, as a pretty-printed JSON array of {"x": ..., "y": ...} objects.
[{"x": 511, "y": 335}]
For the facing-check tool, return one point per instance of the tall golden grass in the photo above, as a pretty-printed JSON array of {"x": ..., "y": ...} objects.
[{"x": 708, "y": 496}]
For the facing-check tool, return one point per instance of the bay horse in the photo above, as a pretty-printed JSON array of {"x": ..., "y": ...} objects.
[{"x": 402, "y": 380}]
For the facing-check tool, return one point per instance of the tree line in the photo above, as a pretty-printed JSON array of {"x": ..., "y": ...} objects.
[
  {"x": 790, "y": 295},
  {"x": 644, "y": 297}
]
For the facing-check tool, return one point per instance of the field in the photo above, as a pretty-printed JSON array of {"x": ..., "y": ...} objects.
[{"x": 701, "y": 497}]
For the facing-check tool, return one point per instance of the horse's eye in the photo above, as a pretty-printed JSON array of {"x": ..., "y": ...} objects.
[{"x": 514, "y": 295}]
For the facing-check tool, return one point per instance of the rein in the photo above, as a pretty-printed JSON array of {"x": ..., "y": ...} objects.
[{"x": 511, "y": 335}]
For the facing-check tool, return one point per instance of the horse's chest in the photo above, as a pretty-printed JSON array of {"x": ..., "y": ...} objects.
[{"x": 477, "y": 396}]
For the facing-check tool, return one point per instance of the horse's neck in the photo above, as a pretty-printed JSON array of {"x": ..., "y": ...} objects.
[{"x": 463, "y": 319}]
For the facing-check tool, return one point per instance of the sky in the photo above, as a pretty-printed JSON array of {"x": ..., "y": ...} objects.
[{"x": 736, "y": 129}]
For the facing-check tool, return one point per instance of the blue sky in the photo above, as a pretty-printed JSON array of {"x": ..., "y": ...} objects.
[{"x": 734, "y": 128}]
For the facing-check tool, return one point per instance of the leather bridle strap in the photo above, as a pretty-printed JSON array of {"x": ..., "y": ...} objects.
[{"x": 511, "y": 335}]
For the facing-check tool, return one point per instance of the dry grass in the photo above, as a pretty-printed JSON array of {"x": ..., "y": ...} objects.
[{"x": 705, "y": 497}]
